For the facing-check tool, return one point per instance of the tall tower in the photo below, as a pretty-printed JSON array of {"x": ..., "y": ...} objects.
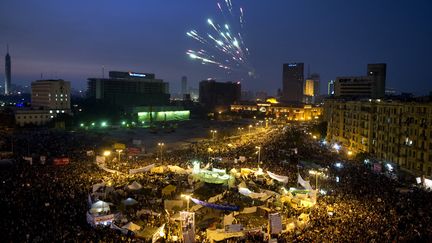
[
  {"x": 292, "y": 82},
  {"x": 7, "y": 72},
  {"x": 378, "y": 73},
  {"x": 184, "y": 85}
]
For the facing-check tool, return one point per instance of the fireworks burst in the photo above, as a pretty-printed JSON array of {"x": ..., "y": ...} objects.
[{"x": 223, "y": 46}]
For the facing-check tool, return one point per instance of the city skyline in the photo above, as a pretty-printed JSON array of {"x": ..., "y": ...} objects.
[{"x": 73, "y": 41}]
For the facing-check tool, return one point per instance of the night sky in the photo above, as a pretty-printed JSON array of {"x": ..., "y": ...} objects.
[{"x": 73, "y": 39}]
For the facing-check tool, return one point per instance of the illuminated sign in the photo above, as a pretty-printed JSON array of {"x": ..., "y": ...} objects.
[
  {"x": 141, "y": 75},
  {"x": 292, "y": 65}
]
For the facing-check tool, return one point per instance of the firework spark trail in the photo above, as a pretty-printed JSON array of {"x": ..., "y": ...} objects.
[{"x": 230, "y": 51}]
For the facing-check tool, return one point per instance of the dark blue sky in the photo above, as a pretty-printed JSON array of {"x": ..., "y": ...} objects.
[{"x": 73, "y": 39}]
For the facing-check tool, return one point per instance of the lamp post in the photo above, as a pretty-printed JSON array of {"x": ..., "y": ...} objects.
[
  {"x": 187, "y": 197},
  {"x": 119, "y": 152},
  {"x": 259, "y": 154},
  {"x": 213, "y": 133},
  {"x": 316, "y": 173},
  {"x": 250, "y": 126},
  {"x": 161, "y": 149}
]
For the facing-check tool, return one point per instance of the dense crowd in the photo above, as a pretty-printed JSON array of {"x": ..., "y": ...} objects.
[{"x": 44, "y": 203}]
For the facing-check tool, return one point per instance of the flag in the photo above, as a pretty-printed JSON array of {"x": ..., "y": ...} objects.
[{"x": 303, "y": 183}]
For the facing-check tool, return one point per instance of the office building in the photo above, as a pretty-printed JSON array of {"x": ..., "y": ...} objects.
[
  {"x": 8, "y": 70},
  {"x": 292, "y": 83},
  {"x": 370, "y": 86},
  {"x": 316, "y": 78},
  {"x": 218, "y": 96},
  {"x": 129, "y": 89},
  {"x": 51, "y": 94},
  {"x": 391, "y": 131}
]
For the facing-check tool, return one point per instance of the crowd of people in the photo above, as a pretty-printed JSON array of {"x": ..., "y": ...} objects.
[{"x": 43, "y": 202}]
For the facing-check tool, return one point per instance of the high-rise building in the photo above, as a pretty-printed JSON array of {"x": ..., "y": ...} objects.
[
  {"x": 8, "y": 69},
  {"x": 309, "y": 89},
  {"x": 316, "y": 78},
  {"x": 330, "y": 88},
  {"x": 378, "y": 72},
  {"x": 292, "y": 83},
  {"x": 129, "y": 89},
  {"x": 389, "y": 130},
  {"x": 370, "y": 86},
  {"x": 218, "y": 95},
  {"x": 51, "y": 94},
  {"x": 184, "y": 86}
]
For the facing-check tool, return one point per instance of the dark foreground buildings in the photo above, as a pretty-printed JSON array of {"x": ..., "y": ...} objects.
[
  {"x": 129, "y": 89},
  {"x": 218, "y": 96}
]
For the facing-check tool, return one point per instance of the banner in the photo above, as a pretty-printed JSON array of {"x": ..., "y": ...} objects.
[
  {"x": 275, "y": 223},
  {"x": 283, "y": 179},
  {"x": 142, "y": 169},
  {"x": 216, "y": 206},
  {"x": 61, "y": 161}
]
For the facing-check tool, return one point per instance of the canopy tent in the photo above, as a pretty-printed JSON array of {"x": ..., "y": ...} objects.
[
  {"x": 134, "y": 186},
  {"x": 168, "y": 190},
  {"x": 100, "y": 206},
  {"x": 283, "y": 179},
  {"x": 129, "y": 202},
  {"x": 131, "y": 227},
  {"x": 216, "y": 206},
  {"x": 158, "y": 170},
  {"x": 177, "y": 169},
  {"x": 142, "y": 169}
]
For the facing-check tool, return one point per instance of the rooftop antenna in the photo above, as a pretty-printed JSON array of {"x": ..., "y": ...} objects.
[
  {"x": 7, "y": 48},
  {"x": 103, "y": 71}
]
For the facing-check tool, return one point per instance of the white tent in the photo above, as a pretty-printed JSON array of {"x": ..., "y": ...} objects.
[
  {"x": 99, "y": 206},
  {"x": 131, "y": 226},
  {"x": 129, "y": 202},
  {"x": 134, "y": 186}
]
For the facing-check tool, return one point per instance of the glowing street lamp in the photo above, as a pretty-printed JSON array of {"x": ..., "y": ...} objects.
[
  {"x": 106, "y": 153},
  {"x": 250, "y": 126},
  {"x": 349, "y": 153},
  {"x": 187, "y": 197},
  {"x": 316, "y": 173},
  {"x": 213, "y": 132},
  {"x": 119, "y": 152},
  {"x": 161, "y": 149},
  {"x": 259, "y": 154}
]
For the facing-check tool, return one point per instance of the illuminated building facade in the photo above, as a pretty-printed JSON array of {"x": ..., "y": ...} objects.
[
  {"x": 51, "y": 94},
  {"x": 291, "y": 113},
  {"x": 394, "y": 131},
  {"x": 129, "y": 89},
  {"x": 161, "y": 114}
]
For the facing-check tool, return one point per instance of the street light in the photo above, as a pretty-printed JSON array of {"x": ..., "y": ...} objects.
[
  {"x": 259, "y": 154},
  {"x": 213, "y": 133},
  {"x": 316, "y": 173},
  {"x": 187, "y": 197},
  {"x": 250, "y": 126},
  {"x": 119, "y": 152},
  {"x": 106, "y": 153},
  {"x": 161, "y": 149}
]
